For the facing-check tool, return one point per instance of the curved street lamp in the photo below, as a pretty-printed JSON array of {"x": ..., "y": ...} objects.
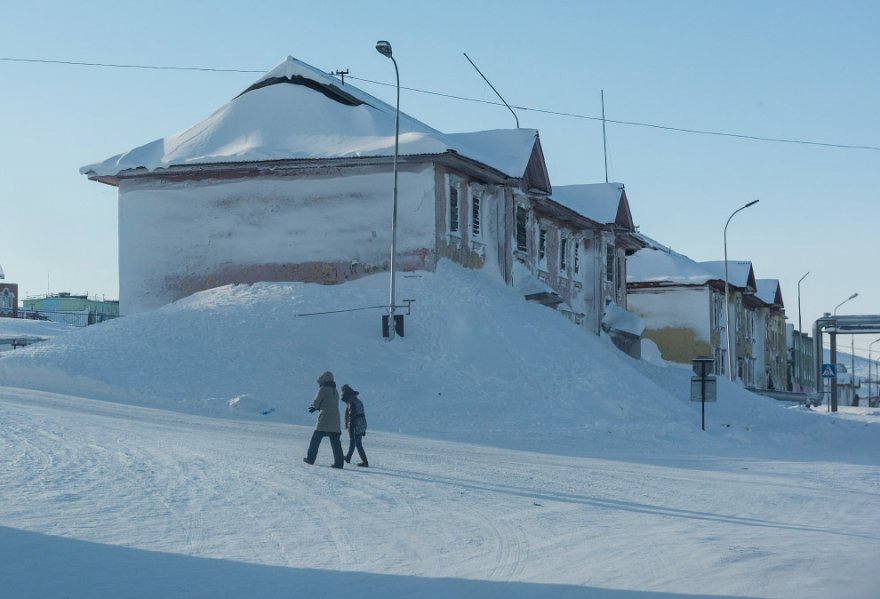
[
  {"x": 853, "y": 296},
  {"x": 727, "y": 292},
  {"x": 800, "y": 327},
  {"x": 384, "y": 48}
]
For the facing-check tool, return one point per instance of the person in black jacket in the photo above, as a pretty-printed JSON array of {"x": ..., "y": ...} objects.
[{"x": 355, "y": 423}]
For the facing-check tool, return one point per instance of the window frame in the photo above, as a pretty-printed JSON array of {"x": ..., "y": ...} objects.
[
  {"x": 563, "y": 250},
  {"x": 476, "y": 214},
  {"x": 453, "y": 206},
  {"x": 542, "y": 246},
  {"x": 521, "y": 224},
  {"x": 610, "y": 263}
]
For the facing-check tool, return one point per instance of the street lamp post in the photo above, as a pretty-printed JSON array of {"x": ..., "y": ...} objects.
[
  {"x": 727, "y": 293},
  {"x": 384, "y": 48},
  {"x": 800, "y": 327},
  {"x": 833, "y": 405}
]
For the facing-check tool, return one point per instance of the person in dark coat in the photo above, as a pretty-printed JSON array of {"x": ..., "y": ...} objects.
[
  {"x": 355, "y": 423},
  {"x": 326, "y": 403}
]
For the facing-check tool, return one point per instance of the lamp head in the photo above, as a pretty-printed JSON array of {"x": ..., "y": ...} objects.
[
  {"x": 384, "y": 48},
  {"x": 752, "y": 203},
  {"x": 853, "y": 296}
]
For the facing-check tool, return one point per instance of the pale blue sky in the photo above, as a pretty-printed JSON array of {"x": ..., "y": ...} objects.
[{"x": 786, "y": 69}]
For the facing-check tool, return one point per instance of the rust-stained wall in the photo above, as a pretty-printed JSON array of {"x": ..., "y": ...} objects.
[
  {"x": 179, "y": 237},
  {"x": 325, "y": 273},
  {"x": 678, "y": 344}
]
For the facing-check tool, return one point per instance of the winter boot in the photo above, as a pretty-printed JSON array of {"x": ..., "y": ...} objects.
[{"x": 364, "y": 465}]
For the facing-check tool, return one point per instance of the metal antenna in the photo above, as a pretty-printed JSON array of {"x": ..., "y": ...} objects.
[
  {"x": 493, "y": 89},
  {"x": 342, "y": 74},
  {"x": 604, "y": 141}
]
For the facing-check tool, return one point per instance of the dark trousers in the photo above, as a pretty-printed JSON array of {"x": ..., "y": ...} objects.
[
  {"x": 335, "y": 444},
  {"x": 355, "y": 441}
]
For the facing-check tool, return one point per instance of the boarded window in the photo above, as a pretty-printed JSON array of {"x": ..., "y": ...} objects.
[
  {"x": 475, "y": 215},
  {"x": 542, "y": 245},
  {"x": 563, "y": 249},
  {"x": 522, "y": 219},
  {"x": 576, "y": 259},
  {"x": 453, "y": 209}
]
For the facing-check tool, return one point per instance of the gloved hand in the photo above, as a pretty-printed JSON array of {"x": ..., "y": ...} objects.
[{"x": 312, "y": 409}]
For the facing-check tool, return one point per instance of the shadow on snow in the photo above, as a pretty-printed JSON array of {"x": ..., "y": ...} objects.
[{"x": 34, "y": 565}]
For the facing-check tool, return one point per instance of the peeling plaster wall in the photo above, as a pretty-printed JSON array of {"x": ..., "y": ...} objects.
[
  {"x": 676, "y": 319},
  {"x": 178, "y": 238},
  {"x": 466, "y": 246}
]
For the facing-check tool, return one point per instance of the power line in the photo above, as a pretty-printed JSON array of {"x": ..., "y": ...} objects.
[
  {"x": 126, "y": 66},
  {"x": 466, "y": 99}
]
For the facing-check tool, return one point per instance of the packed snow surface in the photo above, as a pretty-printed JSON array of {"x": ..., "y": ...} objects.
[{"x": 511, "y": 455}]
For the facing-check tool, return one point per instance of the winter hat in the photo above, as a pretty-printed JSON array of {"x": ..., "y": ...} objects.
[
  {"x": 326, "y": 377},
  {"x": 347, "y": 390}
]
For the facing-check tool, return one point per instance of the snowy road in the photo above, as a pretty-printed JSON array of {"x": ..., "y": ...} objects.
[{"x": 177, "y": 505}]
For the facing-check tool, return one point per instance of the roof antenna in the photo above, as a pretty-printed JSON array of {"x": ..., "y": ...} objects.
[
  {"x": 493, "y": 89},
  {"x": 342, "y": 74},
  {"x": 604, "y": 141}
]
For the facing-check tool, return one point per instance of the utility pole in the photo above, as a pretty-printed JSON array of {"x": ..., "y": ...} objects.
[
  {"x": 852, "y": 355},
  {"x": 342, "y": 74},
  {"x": 604, "y": 139}
]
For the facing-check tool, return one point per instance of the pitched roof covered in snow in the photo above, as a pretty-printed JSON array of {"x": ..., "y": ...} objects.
[
  {"x": 604, "y": 203},
  {"x": 769, "y": 292},
  {"x": 296, "y": 112},
  {"x": 657, "y": 267},
  {"x": 739, "y": 272}
]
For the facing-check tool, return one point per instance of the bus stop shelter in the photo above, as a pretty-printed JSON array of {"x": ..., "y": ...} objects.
[{"x": 832, "y": 326}]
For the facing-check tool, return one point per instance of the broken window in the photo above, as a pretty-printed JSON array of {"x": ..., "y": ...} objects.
[
  {"x": 576, "y": 259},
  {"x": 522, "y": 219}
]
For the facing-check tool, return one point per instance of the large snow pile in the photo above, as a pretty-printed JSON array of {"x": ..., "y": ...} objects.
[
  {"x": 30, "y": 331},
  {"x": 113, "y": 500},
  {"x": 477, "y": 364}
]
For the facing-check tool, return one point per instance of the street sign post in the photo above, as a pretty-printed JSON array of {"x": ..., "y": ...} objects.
[{"x": 704, "y": 386}]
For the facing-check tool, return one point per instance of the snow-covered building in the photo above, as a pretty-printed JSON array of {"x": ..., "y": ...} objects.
[
  {"x": 580, "y": 237},
  {"x": 8, "y": 297},
  {"x": 681, "y": 303},
  {"x": 801, "y": 361},
  {"x": 769, "y": 344},
  {"x": 69, "y": 308},
  {"x": 743, "y": 322},
  {"x": 291, "y": 181}
]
